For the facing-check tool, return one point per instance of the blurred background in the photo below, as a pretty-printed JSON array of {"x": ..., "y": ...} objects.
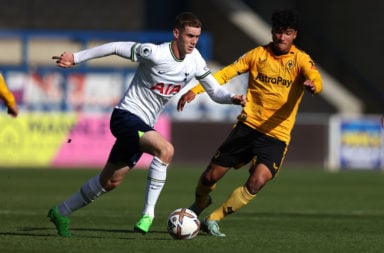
[{"x": 64, "y": 114}]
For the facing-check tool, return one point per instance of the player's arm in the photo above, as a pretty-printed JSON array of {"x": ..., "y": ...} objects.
[
  {"x": 222, "y": 76},
  {"x": 122, "y": 49},
  {"x": 219, "y": 94},
  {"x": 313, "y": 81},
  {"x": 8, "y": 98}
]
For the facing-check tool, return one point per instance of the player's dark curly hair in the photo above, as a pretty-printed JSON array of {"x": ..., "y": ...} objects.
[{"x": 285, "y": 19}]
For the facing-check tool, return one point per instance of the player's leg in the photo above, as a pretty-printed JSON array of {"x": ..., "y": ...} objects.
[
  {"x": 239, "y": 198},
  {"x": 232, "y": 153},
  {"x": 111, "y": 176},
  {"x": 153, "y": 143},
  {"x": 229, "y": 154},
  {"x": 270, "y": 153},
  {"x": 242, "y": 195},
  {"x": 206, "y": 184},
  {"x": 126, "y": 127}
]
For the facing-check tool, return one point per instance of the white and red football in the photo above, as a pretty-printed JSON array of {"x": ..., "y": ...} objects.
[{"x": 183, "y": 224}]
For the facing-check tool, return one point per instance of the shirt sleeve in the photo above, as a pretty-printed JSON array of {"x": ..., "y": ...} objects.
[
  {"x": 208, "y": 82},
  {"x": 216, "y": 92},
  {"x": 222, "y": 76},
  {"x": 225, "y": 74},
  {"x": 123, "y": 49},
  {"x": 5, "y": 94},
  {"x": 310, "y": 72}
]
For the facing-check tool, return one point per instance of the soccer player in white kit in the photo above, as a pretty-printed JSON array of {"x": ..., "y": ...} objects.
[{"x": 162, "y": 72}]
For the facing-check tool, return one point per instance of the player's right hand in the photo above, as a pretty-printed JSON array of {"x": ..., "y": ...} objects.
[
  {"x": 13, "y": 111},
  {"x": 186, "y": 98},
  {"x": 65, "y": 60},
  {"x": 239, "y": 100}
]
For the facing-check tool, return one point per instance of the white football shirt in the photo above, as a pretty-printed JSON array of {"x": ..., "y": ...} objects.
[{"x": 159, "y": 76}]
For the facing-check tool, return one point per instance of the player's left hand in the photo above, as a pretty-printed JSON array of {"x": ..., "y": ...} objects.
[
  {"x": 308, "y": 84},
  {"x": 186, "y": 98}
]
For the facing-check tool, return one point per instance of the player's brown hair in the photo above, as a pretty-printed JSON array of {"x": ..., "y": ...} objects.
[{"x": 187, "y": 19}]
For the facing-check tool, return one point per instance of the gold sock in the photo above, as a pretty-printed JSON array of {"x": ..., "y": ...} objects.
[
  {"x": 237, "y": 200},
  {"x": 201, "y": 194}
]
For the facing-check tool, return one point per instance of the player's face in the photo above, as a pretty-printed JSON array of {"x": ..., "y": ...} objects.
[
  {"x": 186, "y": 39},
  {"x": 283, "y": 39}
]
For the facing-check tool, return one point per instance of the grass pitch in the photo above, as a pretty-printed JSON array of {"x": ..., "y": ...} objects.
[{"x": 299, "y": 211}]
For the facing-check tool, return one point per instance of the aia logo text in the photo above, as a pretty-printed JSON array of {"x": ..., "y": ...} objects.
[{"x": 166, "y": 89}]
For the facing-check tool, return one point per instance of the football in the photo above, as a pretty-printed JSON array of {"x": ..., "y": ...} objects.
[{"x": 183, "y": 224}]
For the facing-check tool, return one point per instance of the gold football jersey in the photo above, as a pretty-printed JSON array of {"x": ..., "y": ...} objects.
[{"x": 275, "y": 88}]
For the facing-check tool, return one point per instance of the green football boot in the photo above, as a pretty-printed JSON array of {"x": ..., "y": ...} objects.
[
  {"x": 143, "y": 224},
  {"x": 61, "y": 222}
]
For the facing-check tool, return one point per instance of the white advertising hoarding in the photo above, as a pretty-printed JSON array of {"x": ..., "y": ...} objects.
[{"x": 356, "y": 143}]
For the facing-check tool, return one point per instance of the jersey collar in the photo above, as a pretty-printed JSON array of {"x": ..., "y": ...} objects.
[{"x": 173, "y": 54}]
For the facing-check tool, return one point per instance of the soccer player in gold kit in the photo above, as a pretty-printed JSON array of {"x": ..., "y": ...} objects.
[
  {"x": 279, "y": 73},
  {"x": 8, "y": 98}
]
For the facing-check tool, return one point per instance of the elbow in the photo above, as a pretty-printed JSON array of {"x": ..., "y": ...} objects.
[{"x": 319, "y": 88}]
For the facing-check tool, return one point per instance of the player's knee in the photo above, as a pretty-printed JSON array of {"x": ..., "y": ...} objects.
[
  {"x": 255, "y": 184},
  {"x": 255, "y": 187},
  {"x": 111, "y": 184},
  {"x": 208, "y": 180},
  {"x": 166, "y": 153},
  {"x": 211, "y": 176}
]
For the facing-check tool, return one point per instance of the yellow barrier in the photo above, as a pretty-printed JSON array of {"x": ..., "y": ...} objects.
[{"x": 32, "y": 140}]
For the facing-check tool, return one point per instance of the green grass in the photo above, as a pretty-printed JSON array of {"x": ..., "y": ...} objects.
[{"x": 299, "y": 211}]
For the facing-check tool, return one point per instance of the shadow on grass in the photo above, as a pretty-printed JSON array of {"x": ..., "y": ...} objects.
[
  {"x": 47, "y": 232},
  {"x": 316, "y": 215}
]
